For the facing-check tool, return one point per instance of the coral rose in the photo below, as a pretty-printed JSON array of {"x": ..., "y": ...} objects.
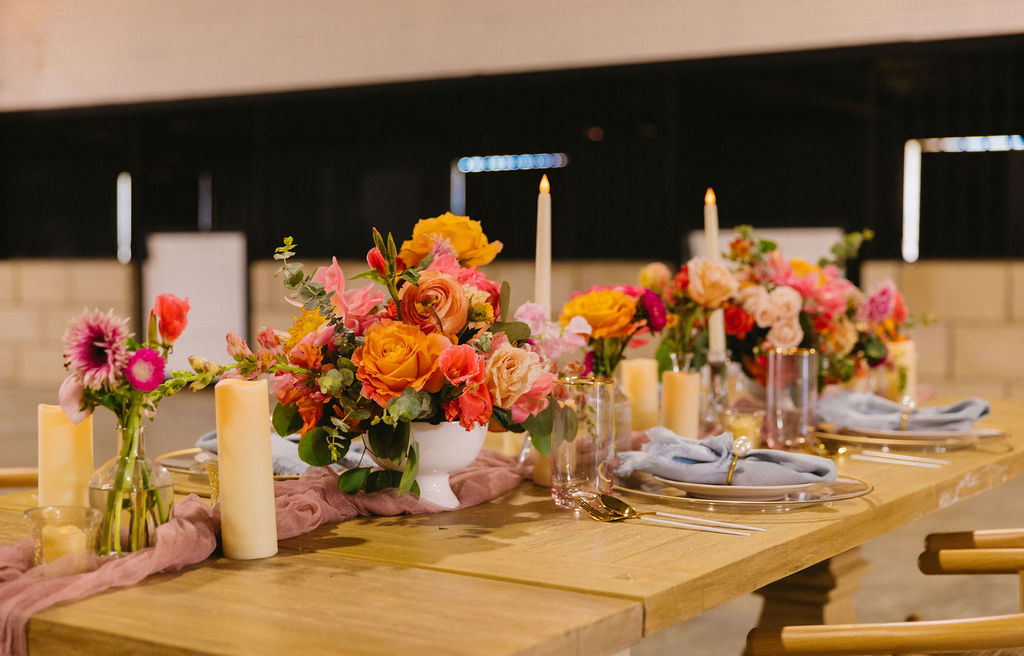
[
  {"x": 437, "y": 303},
  {"x": 511, "y": 372},
  {"x": 466, "y": 237},
  {"x": 395, "y": 356},
  {"x": 609, "y": 312},
  {"x": 711, "y": 283}
]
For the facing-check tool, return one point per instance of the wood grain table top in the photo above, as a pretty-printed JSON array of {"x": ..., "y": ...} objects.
[{"x": 512, "y": 576}]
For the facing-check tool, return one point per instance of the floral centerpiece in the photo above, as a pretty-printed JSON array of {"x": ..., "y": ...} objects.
[
  {"x": 884, "y": 313},
  {"x": 698, "y": 288},
  {"x": 110, "y": 368},
  {"x": 439, "y": 347},
  {"x": 616, "y": 317},
  {"x": 788, "y": 303}
]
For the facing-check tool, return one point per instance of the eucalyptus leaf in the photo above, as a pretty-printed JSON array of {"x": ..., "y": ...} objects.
[
  {"x": 315, "y": 448},
  {"x": 541, "y": 443},
  {"x": 412, "y": 467},
  {"x": 565, "y": 424},
  {"x": 353, "y": 480},
  {"x": 516, "y": 331},
  {"x": 540, "y": 424},
  {"x": 506, "y": 291},
  {"x": 382, "y": 479},
  {"x": 286, "y": 420}
]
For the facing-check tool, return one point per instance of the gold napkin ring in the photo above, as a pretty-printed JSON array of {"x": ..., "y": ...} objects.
[
  {"x": 732, "y": 468},
  {"x": 740, "y": 447},
  {"x": 903, "y": 420}
]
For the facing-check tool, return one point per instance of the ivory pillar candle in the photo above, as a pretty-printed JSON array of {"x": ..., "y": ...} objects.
[
  {"x": 245, "y": 471},
  {"x": 902, "y": 379},
  {"x": 680, "y": 402},
  {"x": 640, "y": 383},
  {"x": 716, "y": 322},
  {"x": 65, "y": 458},
  {"x": 542, "y": 266}
]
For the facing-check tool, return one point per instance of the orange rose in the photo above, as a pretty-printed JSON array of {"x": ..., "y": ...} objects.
[
  {"x": 438, "y": 297},
  {"x": 466, "y": 237},
  {"x": 610, "y": 313},
  {"x": 395, "y": 356}
]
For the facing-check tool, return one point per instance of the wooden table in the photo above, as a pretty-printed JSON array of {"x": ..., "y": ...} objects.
[{"x": 514, "y": 576}]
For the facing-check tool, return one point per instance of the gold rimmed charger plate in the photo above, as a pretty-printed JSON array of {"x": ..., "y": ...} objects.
[
  {"x": 188, "y": 461},
  {"x": 805, "y": 496},
  {"x": 829, "y": 442}
]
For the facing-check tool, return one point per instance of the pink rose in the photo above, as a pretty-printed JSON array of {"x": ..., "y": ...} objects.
[{"x": 535, "y": 399}]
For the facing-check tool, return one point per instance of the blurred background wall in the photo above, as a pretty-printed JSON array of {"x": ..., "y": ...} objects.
[{"x": 322, "y": 118}]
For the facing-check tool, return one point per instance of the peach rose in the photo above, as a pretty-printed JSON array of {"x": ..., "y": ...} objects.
[
  {"x": 753, "y": 298},
  {"x": 438, "y": 297},
  {"x": 609, "y": 312},
  {"x": 395, "y": 356},
  {"x": 511, "y": 372},
  {"x": 786, "y": 301},
  {"x": 841, "y": 336},
  {"x": 466, "y": 237},
  {"x": 786, "y": 333},
  {"x": 711, "y": 283},
  {"x": 655, "y": 276}
]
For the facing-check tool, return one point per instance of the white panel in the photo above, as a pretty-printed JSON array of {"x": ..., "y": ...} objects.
[
  {"x": 810, "y": 244},
  {"x": 61, "y": 53},
  {"x": 209, "y": 269}
]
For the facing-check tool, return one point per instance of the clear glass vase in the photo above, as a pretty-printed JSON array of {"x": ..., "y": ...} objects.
[{"x": 133, "y": 492}]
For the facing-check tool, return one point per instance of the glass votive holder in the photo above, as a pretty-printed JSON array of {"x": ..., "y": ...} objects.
[
  {"x": 64, "y": 538},
  {"x": 743, "y": 424}
]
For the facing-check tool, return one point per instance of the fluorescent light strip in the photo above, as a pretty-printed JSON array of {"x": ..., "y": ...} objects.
[
  {"x": 124, "y": 217},
  {"x": 987, "y": 144},
  {"x": 495, "y": 163}
]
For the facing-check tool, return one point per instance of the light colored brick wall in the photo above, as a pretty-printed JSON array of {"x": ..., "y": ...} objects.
[
  {"x": 39, "y": 299},
  {"x": 976, "y": 346}
]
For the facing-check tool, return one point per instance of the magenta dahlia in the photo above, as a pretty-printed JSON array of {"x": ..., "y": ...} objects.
[
  {"x": 145, "y": 370},
  {"x": 96, "y": 349}
]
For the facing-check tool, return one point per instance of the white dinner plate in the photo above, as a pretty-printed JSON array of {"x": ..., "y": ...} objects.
[{"x": 737, "y": 492}]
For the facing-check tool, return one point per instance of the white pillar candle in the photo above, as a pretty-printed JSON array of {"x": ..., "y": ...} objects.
[
  {"x": 716, "y": 322},
  {"x": 640, "y": 383},
  {"x": 65, "y": 458},
  {"x": 542, "y": 266},
  {"x": 680, "y": 402},
  {"x": 246, "y": 474}
]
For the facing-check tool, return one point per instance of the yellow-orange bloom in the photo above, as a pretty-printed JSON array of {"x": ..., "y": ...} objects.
[
  {"x": 465, "y": 236},
  {"x": 302, "y": 325},
  {"x": 610, "y": 313},
  {"x": 395, "y": 356}
]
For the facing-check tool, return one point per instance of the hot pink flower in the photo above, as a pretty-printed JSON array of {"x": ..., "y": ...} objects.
[
  {"x": 145, "y": 370},
  {"x": 96, "y": 350}
]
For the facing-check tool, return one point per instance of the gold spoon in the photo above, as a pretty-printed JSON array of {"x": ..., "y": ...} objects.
[{"x": 620, "y": 507}]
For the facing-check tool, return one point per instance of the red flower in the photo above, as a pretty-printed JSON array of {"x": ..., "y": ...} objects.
[
  {"x": 737, "y": 322},
  {"x": 682, "y": 279},
  {"x": 376, "y": 260},
  {"x": 172, "y": 314},
  {"x": 821, "y": 322}
]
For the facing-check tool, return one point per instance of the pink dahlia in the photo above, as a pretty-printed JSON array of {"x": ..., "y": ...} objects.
[
  {"x": 145, "y": 370},
  {"x": 96, "y": 350}
]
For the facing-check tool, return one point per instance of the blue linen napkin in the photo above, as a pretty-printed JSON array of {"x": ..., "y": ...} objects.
[
  {"x": 284, "y": 453},
  {"x": 707, "y": 461},
  {"x": 846, "y": 409}
]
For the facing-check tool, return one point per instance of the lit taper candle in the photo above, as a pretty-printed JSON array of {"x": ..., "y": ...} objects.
[
  {"x": 716, "y": 322},
  {"x": 542, "y": 270}
]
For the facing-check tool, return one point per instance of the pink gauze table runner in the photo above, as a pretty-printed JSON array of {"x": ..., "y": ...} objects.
[{"x": 191, "y": 537}]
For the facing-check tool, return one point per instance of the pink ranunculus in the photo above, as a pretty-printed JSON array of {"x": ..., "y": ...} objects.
[
  {"x": 779, "y": 269},
  {"x": 71, "y": 394},
  {"x": 237, "y": 348},
  {"x": 535, "y": 400}
]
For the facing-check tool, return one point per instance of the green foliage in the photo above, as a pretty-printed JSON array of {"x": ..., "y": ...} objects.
[
  {"x": 319, "y": 448},
  {"x": 516, "y": 331},
  {"x": 353, "y": 480},
  {"x": 412, "y": 467},
  {"x": 410, "y": 405},
  {"x": 286, "y": 420}
]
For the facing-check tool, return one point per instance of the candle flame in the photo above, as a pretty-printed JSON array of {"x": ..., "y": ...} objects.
[
  {"x": 545, "y": 186},
  {"x": 709, "y": 198}
]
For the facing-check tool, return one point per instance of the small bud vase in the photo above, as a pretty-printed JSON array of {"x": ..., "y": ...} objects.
[{"x": 133, "y": 492}]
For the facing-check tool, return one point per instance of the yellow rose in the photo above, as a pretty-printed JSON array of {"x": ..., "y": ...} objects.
[
  {"x": 395, "y": 356},
  {"x": 841, "y": 336},
  {"x": 610, "y": 313},
  {"x": 465, "y": 235}
]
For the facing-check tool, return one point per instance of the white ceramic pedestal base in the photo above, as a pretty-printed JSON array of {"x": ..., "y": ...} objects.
[{"x": 444, "y": 448}]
